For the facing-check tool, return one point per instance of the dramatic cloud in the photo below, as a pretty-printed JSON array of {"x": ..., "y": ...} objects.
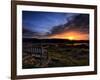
[
  {"x": 79, "y": 23},
  {"x": 79, "y": 26},
  {"x": 55, "y": 25}
]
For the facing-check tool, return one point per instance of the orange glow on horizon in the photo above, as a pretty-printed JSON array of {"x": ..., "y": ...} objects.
[{"x": 71, "y": 36}]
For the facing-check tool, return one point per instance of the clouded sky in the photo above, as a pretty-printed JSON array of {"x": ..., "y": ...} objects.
[{"x": 55, "y": 25}]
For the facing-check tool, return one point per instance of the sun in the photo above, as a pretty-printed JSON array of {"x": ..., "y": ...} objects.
[{"x": 71, "y": 38}]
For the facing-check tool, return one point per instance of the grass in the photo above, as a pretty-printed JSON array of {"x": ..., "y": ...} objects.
[
  {"x": 68, "y": 56},
  {"x": 62, "y": 56}
]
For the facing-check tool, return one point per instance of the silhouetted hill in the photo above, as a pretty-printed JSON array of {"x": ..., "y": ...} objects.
[{"x": 35, "y": 40}]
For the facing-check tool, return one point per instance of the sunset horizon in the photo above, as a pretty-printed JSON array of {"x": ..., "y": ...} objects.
[
  {"x": 72, "y": 26},
  {"x": 71, "y": 36}
]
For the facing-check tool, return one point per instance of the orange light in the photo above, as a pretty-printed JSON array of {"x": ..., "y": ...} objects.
[
  {"x": 72, "y": 35},
  {"x": 70, "y": 38}
]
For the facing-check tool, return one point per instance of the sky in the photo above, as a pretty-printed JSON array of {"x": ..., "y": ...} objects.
[{"x": 37, "y": 24}]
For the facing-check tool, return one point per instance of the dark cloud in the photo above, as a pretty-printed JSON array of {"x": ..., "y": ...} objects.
[
  {"x": 80, "y": 23},
  {"x": 81, "y": 20},
  {"x": 28, "y": 33},
  {"x": 33, "y": 34}
]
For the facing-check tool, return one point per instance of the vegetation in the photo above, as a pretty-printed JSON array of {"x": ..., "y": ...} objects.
[
  {"x": 59, "y": 55},
  {"x": 68, "y": 56}
]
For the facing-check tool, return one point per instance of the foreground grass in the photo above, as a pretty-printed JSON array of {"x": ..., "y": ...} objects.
[{"x": 61, "y": 56}]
